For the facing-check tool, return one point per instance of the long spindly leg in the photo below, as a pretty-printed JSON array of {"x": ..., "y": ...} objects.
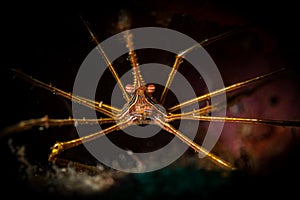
[
  {"x": 285, "y": 123},
  {"x": 175, "y": 67},
  {"x": 201, "y": 115},
  {"x": 220, "y": 162},
  {"x": 110, "y": 66},
  {"x": 180, "y": 56},
  {"x": 45, "y": 122},
  {"x": 98, "y": 106},
  {"x": 226, "y": 89},
  {"x": 206, "y": 110},
  {"x": 59, "y": 147}
]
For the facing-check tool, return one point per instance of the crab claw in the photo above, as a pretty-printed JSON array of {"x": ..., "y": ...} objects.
[{"x": 56, "y": 149}]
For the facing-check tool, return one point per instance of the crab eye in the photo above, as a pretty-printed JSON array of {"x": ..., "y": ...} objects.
[
  {"x": 129, "y": 88},
  {"x": 150, "y": 88}
]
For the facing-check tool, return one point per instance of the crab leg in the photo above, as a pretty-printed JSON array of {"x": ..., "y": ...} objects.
[{"x": 166, "y": 126}]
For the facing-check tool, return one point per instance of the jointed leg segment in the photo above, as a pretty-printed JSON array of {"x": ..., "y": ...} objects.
[
  {"x": 59, "y": 147},
  {"x": 98, "y": 106},
  {"x": 45, "y": 122},
  {"x": 193, "y": 145},
  {"x": 220, "y": 91}
]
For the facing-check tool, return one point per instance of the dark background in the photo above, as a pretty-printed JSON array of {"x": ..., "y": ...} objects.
[{"x": 49, "y": 42}]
